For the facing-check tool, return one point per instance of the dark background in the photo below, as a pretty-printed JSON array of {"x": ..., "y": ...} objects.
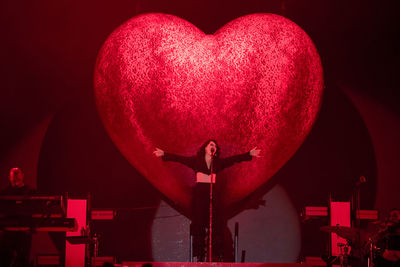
[{"x": 50, "y": 127}]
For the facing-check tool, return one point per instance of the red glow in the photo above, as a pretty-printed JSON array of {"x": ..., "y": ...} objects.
[
  {"x": 340, "y": 215},
  {"x": 161, "y": 82},
  {"x": 75, "y": 253}
]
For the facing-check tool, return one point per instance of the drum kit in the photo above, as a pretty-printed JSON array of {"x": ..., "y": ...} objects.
[{"x": 377, "y": 245}]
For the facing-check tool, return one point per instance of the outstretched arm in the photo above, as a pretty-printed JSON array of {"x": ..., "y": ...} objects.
[
  {"x": 255, "y": 152},
  {"x": 158, "y": 152},
  {"x": 188, "y": 161},
  {"x": 229, "y": 161}
]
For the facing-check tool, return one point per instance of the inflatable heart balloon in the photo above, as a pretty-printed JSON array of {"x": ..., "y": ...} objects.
[{"x": 161, "y": 82}]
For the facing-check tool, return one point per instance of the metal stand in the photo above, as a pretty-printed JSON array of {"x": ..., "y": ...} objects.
[
  {"x": 191, "y": 248},
  {"x": 371, "y": 253},
  {"x": 95, "y": 248},
  {"x": 343, "y": 257},
  {"x": 236, "y": 246},
  {"x": 211, "y": 210}
]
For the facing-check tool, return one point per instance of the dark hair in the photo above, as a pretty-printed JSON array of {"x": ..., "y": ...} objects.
[
  {"x": 15, "y": 171},
  {"x": 202, "y": 151}
]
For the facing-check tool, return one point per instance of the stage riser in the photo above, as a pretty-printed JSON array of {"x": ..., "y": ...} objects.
[{"x": 212, "y": 264}]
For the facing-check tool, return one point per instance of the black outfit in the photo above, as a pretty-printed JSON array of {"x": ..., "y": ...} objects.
[
  {"x": 15, "y": 246},
  {"x": 201, "y": 202},
  {"x": 24, "y": 190},
  {"x": 389, "y": 240},
  {"x": 393, "y": 239}
]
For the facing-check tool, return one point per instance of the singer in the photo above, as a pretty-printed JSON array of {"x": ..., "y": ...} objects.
[{"x": 206, "y": 164}]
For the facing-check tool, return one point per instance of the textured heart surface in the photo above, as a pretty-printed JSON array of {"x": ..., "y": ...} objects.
[{"x": 161, "y": 82}]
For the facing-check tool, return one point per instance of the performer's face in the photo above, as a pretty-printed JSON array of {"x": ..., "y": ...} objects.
[
  {"x": 394, "y": 216},
  {"x": 211, "y": 146},
  {"x": 16, "y": 177}
]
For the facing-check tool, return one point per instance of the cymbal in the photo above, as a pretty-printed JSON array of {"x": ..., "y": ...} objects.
[
  {"x": 349, "y": 233},
  {"x": 379, "y": 223},
  {"x": 384, "y": 223}
]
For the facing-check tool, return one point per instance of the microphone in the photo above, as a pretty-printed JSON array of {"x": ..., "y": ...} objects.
[
  {"x": 362, "y": 180},
  {"x": 212, "y": 151}
]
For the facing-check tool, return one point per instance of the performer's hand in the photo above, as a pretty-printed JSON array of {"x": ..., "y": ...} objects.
[
  {"x": 255, "y": 152},
  {"x": 158, "y": 152}
]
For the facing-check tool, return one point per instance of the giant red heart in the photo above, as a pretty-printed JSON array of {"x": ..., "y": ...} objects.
[{"x": 161, "y": 82}]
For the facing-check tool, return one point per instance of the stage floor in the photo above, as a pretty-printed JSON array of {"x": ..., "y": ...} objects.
[{"x": 213, "y": 264}]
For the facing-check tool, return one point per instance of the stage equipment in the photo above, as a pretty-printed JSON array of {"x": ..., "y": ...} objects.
[
  {"x": 210, "y": 229},
  {"x": 38, "y": 224},
  {"x": 340, "y": 215},
  {"x": 367, "y": 214},
  {"x": 349, "y": 233},
  {"x": 33, "y": 205},
  {"x": 35, "y": 213},
  {"x": 346, "y": 241},
  {"x": 103, "y": 215},
  {"x": 375, "y": 245},
  {"x": 236, "y": 242},
  {"x": 77, "y": 253},
  {"x": 214, "y": 264},
  {"x": 383, "y": 243},
  {"x": 309, "y": 213}
]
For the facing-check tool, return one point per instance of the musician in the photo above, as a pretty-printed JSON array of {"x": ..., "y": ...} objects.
[
  {"x": 15, "y": 246},
  {"x": 201, "y": 164},
  {"x": 394, "y": 217},
  {"x": 392, "y": 235},
  {"x": 16, "y": 183}
]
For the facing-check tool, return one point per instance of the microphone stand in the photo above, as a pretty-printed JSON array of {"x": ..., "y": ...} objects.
[
  {"x": 211, "y": 209},
  {"x": 356, "y": 201},
  {"x": 356, "y": 205},
  {"x": 356, "y": 209}
]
